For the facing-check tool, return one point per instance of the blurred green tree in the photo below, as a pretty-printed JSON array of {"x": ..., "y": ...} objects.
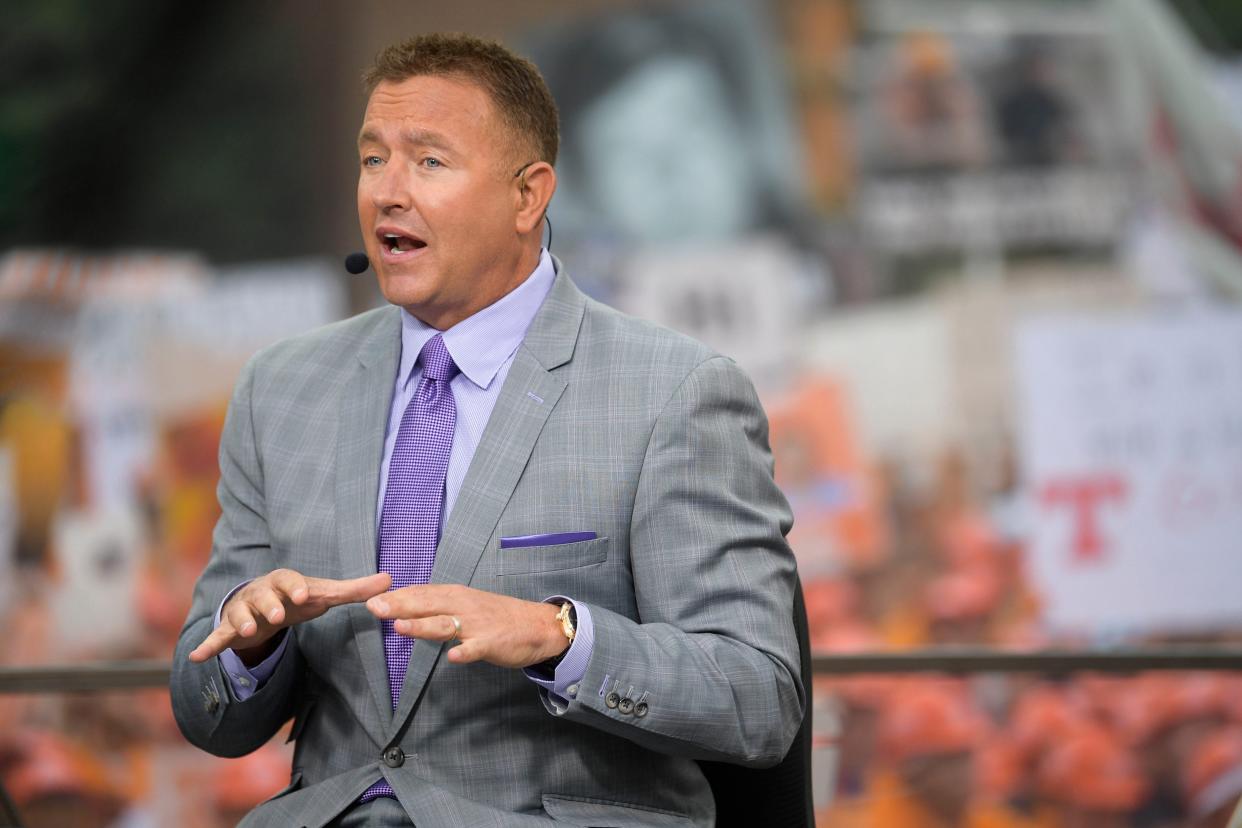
[
  {"x": 145, "y": 123},
  {"x": 1217, "y": 23}
]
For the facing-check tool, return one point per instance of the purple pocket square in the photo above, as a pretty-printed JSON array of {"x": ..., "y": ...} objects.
[{"x": 554, "y": 539}]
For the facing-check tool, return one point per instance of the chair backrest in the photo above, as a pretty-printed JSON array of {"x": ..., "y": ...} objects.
[
  {"x": 8, "y": 811},
  {"x": 780, "y": 796}
]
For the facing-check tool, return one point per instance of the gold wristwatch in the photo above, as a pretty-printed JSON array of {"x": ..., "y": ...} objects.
[{"x": 569, "y": 620}]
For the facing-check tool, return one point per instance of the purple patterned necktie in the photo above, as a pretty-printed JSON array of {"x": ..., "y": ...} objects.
[{"x": 414, "y": 500}]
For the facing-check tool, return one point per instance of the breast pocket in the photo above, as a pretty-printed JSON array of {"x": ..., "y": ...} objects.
[{"x": 533, "y": 560}]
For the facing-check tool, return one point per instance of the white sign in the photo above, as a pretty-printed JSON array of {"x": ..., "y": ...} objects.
[
  {"x": 1131, "y": 446},
  {"x": 94, "y": 601},
  {"x": 742, "y": 300}
]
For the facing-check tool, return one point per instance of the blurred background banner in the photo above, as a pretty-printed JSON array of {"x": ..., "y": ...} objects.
[
  {"x": 988, "y": 136},
  {"x": 982, "y": 259}
]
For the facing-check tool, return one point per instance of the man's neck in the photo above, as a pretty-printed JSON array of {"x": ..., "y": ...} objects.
[{"x": 521, "y": 270}]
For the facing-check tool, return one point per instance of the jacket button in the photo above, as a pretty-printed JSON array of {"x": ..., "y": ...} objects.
[
  {"x": 394, "y": 757},
  {"x": 626, "y": 706},
  {"x": 640, "y": 709},
  {"x": 612, "y": 699}
]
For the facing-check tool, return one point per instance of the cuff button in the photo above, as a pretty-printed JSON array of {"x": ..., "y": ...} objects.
[
  {"x": 612, "y": 699},
  {"x": 626, "y": 706},
  {"x": 572, "y": 690},
  {"x": 640, "y": 709}
]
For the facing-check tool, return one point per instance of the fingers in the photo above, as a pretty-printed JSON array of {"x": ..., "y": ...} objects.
[
  {"x": 268, "y": 603},
  {"x": 498, "y": 629},
  {"x": 264, "y": 603},
  {"x": 221, "y": 639},
  {"x": 291, "y": 584},
  {"x": 418, "y": 601},
  {"x": 239, "y": 615},
  {"x": 278, "y": 599},
  {"x": 436, "y": 628}
]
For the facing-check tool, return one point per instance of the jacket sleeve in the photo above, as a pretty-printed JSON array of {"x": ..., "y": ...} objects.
[
  {"x": 710, "y": 669},
  {"x": 205, "y": 708}
]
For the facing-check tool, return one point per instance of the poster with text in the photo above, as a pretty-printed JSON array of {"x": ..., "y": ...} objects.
[{"x": 1131, "y": 446}]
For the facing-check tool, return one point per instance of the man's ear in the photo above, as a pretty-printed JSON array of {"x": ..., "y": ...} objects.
[{"x": 535, "y": 186}]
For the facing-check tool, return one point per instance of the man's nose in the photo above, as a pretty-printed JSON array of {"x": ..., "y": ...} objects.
[{"x": 390, "y": 188}]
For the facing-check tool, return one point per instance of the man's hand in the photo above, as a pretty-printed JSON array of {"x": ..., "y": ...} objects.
[
  {"x": 280, "y": 599},
  {"x": 498, "y": 629}
]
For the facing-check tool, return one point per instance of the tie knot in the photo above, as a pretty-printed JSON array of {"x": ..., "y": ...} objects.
[{"x": 437, "y": 362}]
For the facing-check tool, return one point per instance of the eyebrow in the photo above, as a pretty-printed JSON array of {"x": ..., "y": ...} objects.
[{"x": 417, "y": 137}]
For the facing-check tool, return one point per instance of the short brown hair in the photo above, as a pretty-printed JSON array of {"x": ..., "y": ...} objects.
[{"x": 514, "y": 84}]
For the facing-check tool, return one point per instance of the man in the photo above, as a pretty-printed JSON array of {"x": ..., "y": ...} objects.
[{"x": 504, "y": 554}]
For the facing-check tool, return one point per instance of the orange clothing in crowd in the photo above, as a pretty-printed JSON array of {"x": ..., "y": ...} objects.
[{"x": 888, "y": 803}]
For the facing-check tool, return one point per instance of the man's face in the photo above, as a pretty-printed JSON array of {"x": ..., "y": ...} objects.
[{"x": 437, "y": 200}]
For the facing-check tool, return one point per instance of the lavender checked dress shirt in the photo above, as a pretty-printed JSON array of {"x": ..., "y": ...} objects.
[{"x": 482, "y": 347}]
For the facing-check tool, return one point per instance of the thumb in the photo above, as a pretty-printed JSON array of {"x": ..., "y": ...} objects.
[{"x": 355, "y": 590}]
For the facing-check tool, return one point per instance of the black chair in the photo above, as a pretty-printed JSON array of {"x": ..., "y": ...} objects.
[
  {"x": 779, "y": 796},
  {"x": 8, "y": 811}
]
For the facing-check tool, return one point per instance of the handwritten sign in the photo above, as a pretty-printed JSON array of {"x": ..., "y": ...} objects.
[{"x": 1131, "y": 444}]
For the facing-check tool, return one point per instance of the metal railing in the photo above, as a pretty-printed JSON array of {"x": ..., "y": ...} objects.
[{"x": 130, "y": 675}]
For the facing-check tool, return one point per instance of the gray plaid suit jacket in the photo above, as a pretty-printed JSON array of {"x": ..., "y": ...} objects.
[{"x": 606, "y": 424}]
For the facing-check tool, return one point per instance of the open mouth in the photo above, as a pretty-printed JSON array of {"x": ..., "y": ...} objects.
[{"x": 398, "y": 244}]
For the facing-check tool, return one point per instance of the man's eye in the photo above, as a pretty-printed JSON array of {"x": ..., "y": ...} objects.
[
  {"x": 371, "y": 161},
  {"x": 432, "y": 162}
]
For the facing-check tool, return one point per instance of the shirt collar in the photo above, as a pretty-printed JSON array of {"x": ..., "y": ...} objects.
[{"x": 481, "y": 343}]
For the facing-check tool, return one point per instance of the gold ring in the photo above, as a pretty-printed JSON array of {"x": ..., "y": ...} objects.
[{"x": 456, "y": 626}]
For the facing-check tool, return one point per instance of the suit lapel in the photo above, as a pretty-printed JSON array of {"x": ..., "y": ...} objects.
[
  {"x": 530, "y": 392},
  {"x": 360, "y": 447}
]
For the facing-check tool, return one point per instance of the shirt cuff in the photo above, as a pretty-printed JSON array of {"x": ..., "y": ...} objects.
[
  {"x": 559, "y": 690},
  {"x": 246, "y": 681}
]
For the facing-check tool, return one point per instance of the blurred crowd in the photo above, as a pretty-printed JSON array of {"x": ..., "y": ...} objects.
[{"x": 1086, "y": 751}]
